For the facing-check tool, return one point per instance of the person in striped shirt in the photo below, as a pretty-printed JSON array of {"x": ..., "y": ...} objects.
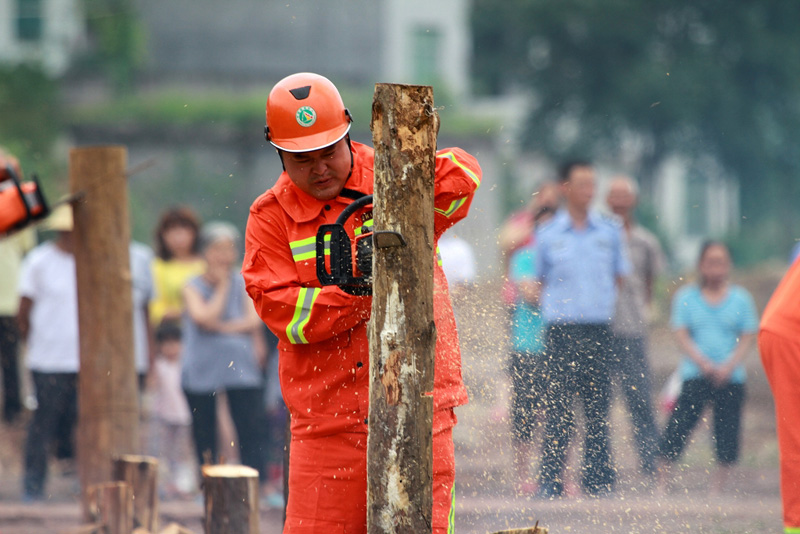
[{"x": 715, "y": 323}]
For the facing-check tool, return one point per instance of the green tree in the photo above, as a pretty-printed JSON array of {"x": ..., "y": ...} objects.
[{"x": 707, "y": 77}]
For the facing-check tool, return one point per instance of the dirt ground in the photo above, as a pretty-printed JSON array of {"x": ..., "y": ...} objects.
[{"x": 485, "y": 498}]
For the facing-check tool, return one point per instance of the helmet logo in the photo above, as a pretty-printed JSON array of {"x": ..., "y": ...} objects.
[{"x": 306, "y": 116}]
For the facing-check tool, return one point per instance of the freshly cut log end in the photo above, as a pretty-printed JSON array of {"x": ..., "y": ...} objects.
[{"x": 231, "y": 499}]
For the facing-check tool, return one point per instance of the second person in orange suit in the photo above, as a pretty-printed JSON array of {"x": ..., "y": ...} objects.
[{"x": 322, "y": 331}]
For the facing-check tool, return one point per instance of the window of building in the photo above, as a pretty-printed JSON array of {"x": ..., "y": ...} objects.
[
  {"x": 426, "y": 43},
  {"x": 29, "y": 20}
]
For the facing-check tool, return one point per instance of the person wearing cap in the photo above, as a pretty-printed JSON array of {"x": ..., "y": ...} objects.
[
  {"x": 322, "y": 331},
  {"x": 48, "y": 320},
  {"x": 12, "y": 249}
]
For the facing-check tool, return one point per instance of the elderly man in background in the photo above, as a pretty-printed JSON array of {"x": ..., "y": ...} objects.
[{"x": 629, "y": 363}]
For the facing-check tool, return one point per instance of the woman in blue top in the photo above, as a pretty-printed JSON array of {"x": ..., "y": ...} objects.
[
  {"x": 528, "y": 344},
  {"x": 220, "y": 330},
  {"x": 715, "y": 324}
]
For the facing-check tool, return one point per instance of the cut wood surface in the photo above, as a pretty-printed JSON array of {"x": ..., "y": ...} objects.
[
  {"x": 108, "y": 403},
  {"x": 111, "y": 504},
  {"x": 141, "y": 473},
  {"x": 402, "y": 332},
  {"x": 231, "y": 499}
]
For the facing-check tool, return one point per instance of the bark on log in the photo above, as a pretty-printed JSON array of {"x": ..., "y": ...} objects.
[
  {"x": 108, "y": 418},
  {"x": 402, "y": 332},
  {"x": 141, "y": 473},
  {"x": 111, "y": 503},
  {"x": 231, "y": 499}
]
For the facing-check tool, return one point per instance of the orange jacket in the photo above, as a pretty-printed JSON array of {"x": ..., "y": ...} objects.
[
  {"x": 322, "y": 331},
  {"x": 782, "y": 315}
]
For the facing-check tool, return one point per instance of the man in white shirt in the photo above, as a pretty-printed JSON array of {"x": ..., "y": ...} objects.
[{"x": 48, "y": 319}]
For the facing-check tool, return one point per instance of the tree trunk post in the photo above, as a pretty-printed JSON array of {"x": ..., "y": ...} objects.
[
  {"x": 108, "y": 410},
  {"x": 141, "y": 473},
  {"x": 402, "y": 331},
  {"x": 111, "y": 504},
  {"x": 231, "y": 499}
]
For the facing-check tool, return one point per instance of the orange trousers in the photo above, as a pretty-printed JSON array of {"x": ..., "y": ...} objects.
[
  {"x": 781, "y": 359},
  {"x": 328, "y": 481}
]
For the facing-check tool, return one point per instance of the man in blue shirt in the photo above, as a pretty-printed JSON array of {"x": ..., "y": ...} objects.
[{"x": 581, "y": 261}]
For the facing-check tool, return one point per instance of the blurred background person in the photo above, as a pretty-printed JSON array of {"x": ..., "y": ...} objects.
[
  {"x": 219, "y": 353},
  {"x": 12, "y": 249},
  {"x": 178, "y": 259},
  {"x": 528, "y": 377},
  {"x": 141, "y": 259},
  {"x": 629, "y": 365},
  {"x": 516, "y": 232},
  {"x": 170, "y": 440},
  {"x": 580, "y": 262},
  {"x": 48, "y": 320},
  {"x": 458, "y": 263},
  {"x": 715, "y": 323}
]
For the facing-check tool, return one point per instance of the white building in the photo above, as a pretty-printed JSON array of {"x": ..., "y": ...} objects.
[{"x": 44, "y": 32}]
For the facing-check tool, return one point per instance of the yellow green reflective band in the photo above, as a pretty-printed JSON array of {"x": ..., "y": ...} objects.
[
  {"x": 366, "y": 227},
  {"x": 302, "y": 313},
  {"x": 791, "y": 530},
  {"x": 452, "y": 157},
  {"x": 438, "y": 256},
  {"x": 306, "y": 249},
  {"x": 451, "y": 518},
  {"x": 453, "y": 207}
]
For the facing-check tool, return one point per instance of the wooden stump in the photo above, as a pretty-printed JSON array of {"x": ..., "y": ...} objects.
[
  {"x": 141, "y": 473},
  {"x": 402, "y": 332},
  {"x": 529, "y": 530},
  {"x": 111, "y": 504},
  {"x": 231, "y": 499}
]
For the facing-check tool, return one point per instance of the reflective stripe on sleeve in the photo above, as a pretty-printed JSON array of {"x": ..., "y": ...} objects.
[
  {"x": 302, "y": 313},
  {"x": 451, "y": 517},
  {"x": 306, "y": 249},
  {"x": 438, "y": 256},
  {"x": 453, "y": 207},
  {"x": 452, "y": 157}
]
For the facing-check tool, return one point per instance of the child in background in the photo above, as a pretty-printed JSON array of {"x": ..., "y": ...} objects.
[{"x": 171, "y": 418}]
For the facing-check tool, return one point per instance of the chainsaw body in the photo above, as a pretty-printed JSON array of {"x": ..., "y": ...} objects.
[
  {"x": 21, "y": 203},
  {"x": 350, "y": 261}
]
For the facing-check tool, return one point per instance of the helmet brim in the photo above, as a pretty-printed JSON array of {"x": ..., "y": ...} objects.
[{"x": 313, "y": 142}]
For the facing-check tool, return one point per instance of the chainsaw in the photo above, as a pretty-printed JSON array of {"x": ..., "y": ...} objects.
[
  {"x": 353, "y": 276},
  {"x": 21, "y": 203}
]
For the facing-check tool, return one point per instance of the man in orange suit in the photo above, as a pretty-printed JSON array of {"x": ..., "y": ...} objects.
[
  {"x": 779, "y": 343},
  {"x": 322, "y": 331}
]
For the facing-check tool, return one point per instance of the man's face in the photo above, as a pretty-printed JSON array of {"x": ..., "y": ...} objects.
[
  {"x": 321, "y": 173},
  {"x": 621, "y": 199},
  {"x": 578, "y": 190}
]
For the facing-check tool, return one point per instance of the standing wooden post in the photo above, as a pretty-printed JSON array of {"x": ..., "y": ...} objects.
[
  {"x": 402, "y": 333},
  {"x": 231, "y": 499},
  {"x": 141, "y": 473},
  {"x": 108, "y": 410}
]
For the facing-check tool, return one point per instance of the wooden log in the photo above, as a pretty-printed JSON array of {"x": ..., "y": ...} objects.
[
  {"x": 175, "y": 528},
  {"x": 231, "y": 499},
  {"x": 141, "y": 472},
  {"x": 529, "y": 530},
  {"x": 94, "y": 528},
  {"x": 402, "y": 332},
  {"x": 108, "y": 409},
  {"x": 111, "y": 503}
]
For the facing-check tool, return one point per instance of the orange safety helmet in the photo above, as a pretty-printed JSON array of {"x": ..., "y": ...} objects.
[{"x": 305, "y": 112}]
